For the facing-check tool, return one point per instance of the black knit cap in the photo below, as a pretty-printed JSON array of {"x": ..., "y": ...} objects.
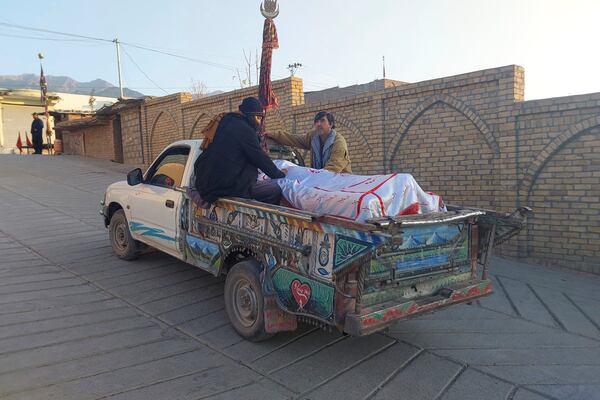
[{"x": 251, "y": 106}]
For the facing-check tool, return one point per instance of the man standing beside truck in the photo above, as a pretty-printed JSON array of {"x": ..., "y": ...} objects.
[
  {"x": 231, "y": 155},
  {"x": 329, "y": 149}
]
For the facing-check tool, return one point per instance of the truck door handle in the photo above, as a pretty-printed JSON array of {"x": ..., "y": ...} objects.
[{"x": 170, "y": 203}]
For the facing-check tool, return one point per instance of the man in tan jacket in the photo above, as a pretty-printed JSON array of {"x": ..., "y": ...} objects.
[{"x": 328, "y": 148}]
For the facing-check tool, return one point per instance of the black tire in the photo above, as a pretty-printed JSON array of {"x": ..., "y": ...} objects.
[
  {"x": 124, "y": 246},
  {"x": 244, "y": 301}
]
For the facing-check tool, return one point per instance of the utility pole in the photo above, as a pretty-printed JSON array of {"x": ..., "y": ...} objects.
[
  {"x": 116, "y": 41},
  {"x": 383, "y": 67}
]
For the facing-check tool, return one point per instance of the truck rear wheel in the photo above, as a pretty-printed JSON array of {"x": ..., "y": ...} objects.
[
  {"x": 244, "y": 301},
  {"x": 124, "y": 246}
]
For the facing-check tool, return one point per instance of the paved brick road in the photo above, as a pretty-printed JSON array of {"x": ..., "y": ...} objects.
[{"x": 77, "y": 323}]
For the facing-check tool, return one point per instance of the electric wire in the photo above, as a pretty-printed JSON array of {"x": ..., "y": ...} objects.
[
  {"x": 142, "y": 47},
  {"x": 214, "y": 64},
  {"x": 42, "y": 38},
  {"x": 141, "y": 70},
  {"x": 84, "y": 38},
  {"x": 54, "y": 32}
]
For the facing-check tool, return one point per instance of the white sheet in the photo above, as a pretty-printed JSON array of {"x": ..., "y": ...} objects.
[{"x": 354, "y": 197}]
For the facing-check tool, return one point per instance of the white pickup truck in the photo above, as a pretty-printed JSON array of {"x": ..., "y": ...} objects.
[{"x": 283, "y": 263}]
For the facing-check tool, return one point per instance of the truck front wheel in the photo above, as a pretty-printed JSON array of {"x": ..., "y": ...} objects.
[
  {"x": 244, "y": 301},
  {"x": 124, "y": 246}
]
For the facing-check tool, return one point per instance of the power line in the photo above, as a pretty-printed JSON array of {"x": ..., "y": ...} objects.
[
  {"x": 320, "y": 72},
  {"x": 147, "y": 48},
  {"x": 183, "y": 57},
  {"x": 84, "y": 38},
  {"x": 53, "y": 32},
  {"x": 142, "y": 71},
  {"x": 186, "y": 87},
  {"x": 42, "y": 38},
  {"x": 129, "y": 87},
  {"x": 155, "y": 47}
]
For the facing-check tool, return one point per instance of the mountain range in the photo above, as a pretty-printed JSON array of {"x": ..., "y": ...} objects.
[{"x": 64, "y": 84}]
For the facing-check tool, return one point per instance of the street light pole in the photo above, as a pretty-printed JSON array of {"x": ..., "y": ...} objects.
[{"x": 116, "y": 41}]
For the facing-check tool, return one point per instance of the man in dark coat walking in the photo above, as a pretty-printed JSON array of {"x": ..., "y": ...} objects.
[
  {"x": 231, "y": 156},
  {"x": 37, "y": 128}
]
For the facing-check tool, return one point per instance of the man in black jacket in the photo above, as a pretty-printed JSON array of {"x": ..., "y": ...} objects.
[
  {"x": 37, "y": 128},
  {"x": 232, "y": 154}
]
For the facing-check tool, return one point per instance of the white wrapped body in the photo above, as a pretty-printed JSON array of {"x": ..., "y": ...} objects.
[{"x": 354, "y": 197}]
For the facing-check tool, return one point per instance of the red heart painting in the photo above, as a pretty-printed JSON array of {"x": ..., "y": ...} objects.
[{"x": 301, "y": 292}]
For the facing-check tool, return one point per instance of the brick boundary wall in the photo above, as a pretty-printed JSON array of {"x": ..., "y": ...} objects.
[
  {"x": 93, "y": 141},
  {"x": 471, "y": 138}
]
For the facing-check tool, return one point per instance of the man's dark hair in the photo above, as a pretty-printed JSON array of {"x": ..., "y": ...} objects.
[{"x": 329, "y": 116}]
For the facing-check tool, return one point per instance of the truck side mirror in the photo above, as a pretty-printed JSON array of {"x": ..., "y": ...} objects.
[{"x": 135, "y": 177}]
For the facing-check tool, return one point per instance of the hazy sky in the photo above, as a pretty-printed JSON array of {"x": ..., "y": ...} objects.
[{"x": 338, "y": 42}]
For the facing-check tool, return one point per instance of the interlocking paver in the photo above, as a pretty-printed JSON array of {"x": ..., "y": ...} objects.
[
  {"x": 40, "y": 276},
  {"x": 42, "y": 339},
  {"x": 127, "y": 378},
  {"x": 250, "y": 352},
  {"x": 205, "y": 323},
  {"x": 194, "y": 310},
  {"x": 81, "y": 349},
  {"x": 43, "y": 285},
  {"x": 530, "y": 356},
  {"x": 474, "y": 385},
  {"x": 566, "y": 313},
  {"x": 523, "y": 394},
  {"x": 588, "y": 307},
  {"x": 45, "y": 303},
  {"x": 207, "y": 383},
  {"x": 206, "y": 284},
  {"x": 571, "y": 392},
  {"x": 77, "y": 323},
  {"x": 424, "y": 378},
  {"x": 303, "y": 375},
  {"x": 256, "y": 391},
  {"x": 44, "y": 294},
  {"x": 92, "y": 365},
  {"x": 365, "y": 377},
  {"x": 526, "y": 302},
  {"x": 61, "y": 322},
  {"x": 547, "y": 374},
  {"x": 297, "y": 350}
]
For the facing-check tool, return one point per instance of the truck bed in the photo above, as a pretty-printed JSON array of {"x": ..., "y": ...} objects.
[{"x": 361, "y": 276}]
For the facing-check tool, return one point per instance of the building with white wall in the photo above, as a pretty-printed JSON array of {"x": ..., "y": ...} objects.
[{"x": 17, "y": 105}]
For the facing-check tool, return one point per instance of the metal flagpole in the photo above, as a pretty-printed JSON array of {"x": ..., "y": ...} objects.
[{"x": 44, "y": 98}]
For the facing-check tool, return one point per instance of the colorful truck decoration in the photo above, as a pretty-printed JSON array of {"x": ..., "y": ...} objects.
[{"x": 284, "y": 264}]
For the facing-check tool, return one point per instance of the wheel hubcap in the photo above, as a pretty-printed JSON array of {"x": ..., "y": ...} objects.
[
  {"x": 120, "y": 236},
  {"x": 245, "y": 303}
]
